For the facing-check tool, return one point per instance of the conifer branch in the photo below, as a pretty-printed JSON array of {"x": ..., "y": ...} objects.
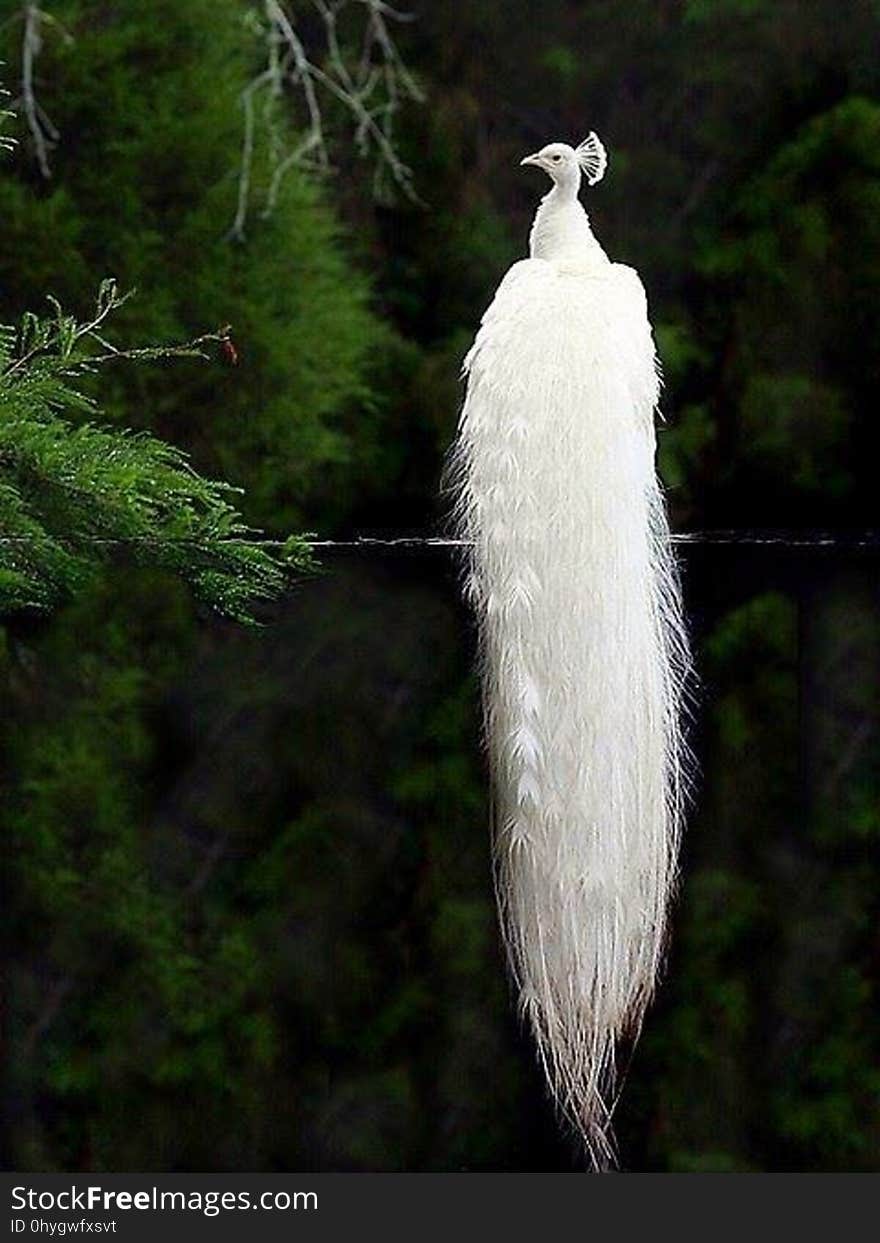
[{"x": 74, "y": 495}]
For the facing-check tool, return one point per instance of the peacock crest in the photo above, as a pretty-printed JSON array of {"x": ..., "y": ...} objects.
[{"x": 592, "y": 157}]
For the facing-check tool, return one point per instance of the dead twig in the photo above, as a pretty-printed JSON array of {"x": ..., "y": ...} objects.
[{"x": 371, "y": 83}]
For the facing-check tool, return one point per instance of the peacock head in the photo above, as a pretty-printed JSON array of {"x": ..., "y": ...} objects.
[{"x": 564, "y": 164}]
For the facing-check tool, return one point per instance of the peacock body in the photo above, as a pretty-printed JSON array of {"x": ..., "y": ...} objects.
[{"x": 584, "y": 653}]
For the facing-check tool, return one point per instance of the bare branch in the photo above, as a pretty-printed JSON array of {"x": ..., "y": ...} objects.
[
  {"x": 43, "y": 131},
  {"x": 7, "y": 142},
  {"x": 370, "y": 84},
  {"x": 247, "y": 158}
]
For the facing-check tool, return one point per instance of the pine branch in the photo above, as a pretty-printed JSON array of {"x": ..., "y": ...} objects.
[{"x": 74, "y": 495}]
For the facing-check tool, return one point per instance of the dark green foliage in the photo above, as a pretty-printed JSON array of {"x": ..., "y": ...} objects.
[
  {"x": 250, "y": 901},
  {"x": 766, "y": 1042},
  {"x": 144, "y": 186},
  {"x": 295, "y": 940},
  {"x": 74, "y": 495},
  {"x": 800, "y": 261}
]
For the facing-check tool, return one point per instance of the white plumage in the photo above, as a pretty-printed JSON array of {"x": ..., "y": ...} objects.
[{"x": 572, "y": 577}]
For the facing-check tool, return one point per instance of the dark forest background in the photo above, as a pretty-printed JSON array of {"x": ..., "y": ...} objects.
[{"x": 249, "y": 919}]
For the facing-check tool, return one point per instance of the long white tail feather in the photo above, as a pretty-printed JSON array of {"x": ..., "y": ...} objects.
[{"x": 584, "y": 653}]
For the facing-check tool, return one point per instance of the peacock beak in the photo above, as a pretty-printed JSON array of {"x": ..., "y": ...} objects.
[{"x": 531, "y": 159}]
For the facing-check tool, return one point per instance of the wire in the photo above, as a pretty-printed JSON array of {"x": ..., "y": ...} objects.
[{"x": 845, "y": 541}]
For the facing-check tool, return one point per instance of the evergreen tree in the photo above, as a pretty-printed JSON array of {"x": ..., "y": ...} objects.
[
  {"x": 146, "y": 102},
  {"x": 112, "y": 950},
  {"x": 250, "y": 902}
]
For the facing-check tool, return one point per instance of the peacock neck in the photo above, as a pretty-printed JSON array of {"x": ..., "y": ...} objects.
[{"x": 561, "y": 230}]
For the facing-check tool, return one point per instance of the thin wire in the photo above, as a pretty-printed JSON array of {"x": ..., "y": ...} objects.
[
  {"x": 845, "y": 541},
  {"x": 782, "y": 539}
]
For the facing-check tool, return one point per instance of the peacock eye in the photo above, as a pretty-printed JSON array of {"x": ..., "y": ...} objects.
[{"x": 556, "y": 159}]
